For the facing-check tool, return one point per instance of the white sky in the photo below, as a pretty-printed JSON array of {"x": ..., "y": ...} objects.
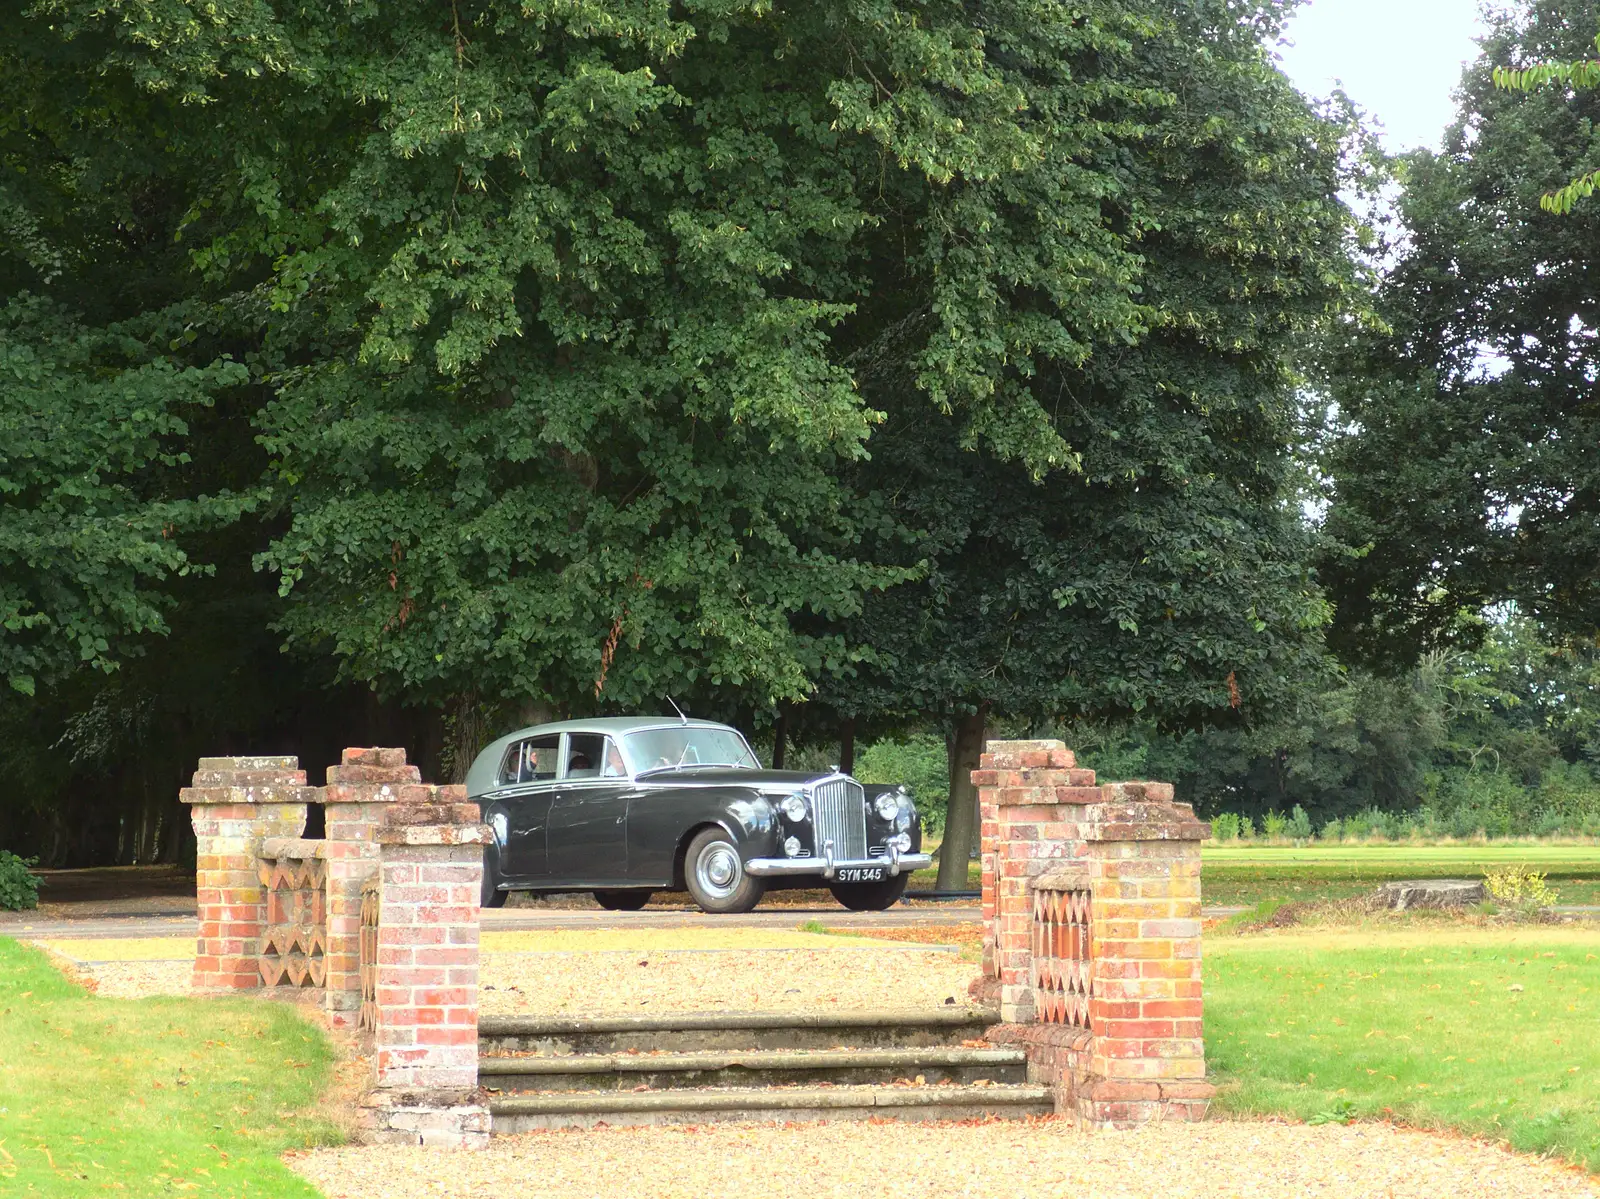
[{"x": 1399, "y": 59}]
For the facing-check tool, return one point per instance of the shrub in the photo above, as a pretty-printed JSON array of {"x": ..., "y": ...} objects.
[
  {"x": 1490, "y": 801},
  {"x": 1274, "y": 824},
  {"x": 1391, "y": 826},
  {"x": 1225, "y": 826},
  {"x": 1299, "y": 824},
  {"x": 1333, "y": 830},
  {"x": 1549, "y": 824},
  {"x": 1520, "y": 888},
  {"x": 19, "y": 886},
  {"x": 1246, "y": 829},
  {"x": 1568, "y": 797},
  {"x": 919, "y": 762}
]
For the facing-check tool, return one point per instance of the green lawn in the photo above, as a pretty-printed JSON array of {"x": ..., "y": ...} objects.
[
  {"x": 1491, "y": 1031},
  {"x": 1245, "y": 875},
  {"x": 150, "y": 1097}
]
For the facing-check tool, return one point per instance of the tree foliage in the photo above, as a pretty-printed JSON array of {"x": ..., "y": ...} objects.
[
  {"x": 560, "y": 356},
  {"x": 1503, "y": 738},
  {"x": 1463, "y": 470},
  {"x": 1165, "y": 570},
  {"x": 93, "y": 422},
  {"x": 1582, "y": 74}
]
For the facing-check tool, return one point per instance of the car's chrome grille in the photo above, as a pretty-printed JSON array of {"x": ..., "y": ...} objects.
[{"x": 841, "y": 817}]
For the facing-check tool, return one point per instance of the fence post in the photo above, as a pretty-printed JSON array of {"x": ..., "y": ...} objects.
[
  {"x": 1054, "y": 842},
  {"x": 425, "y": 1035},
  {"x": 234, "y": 805}
]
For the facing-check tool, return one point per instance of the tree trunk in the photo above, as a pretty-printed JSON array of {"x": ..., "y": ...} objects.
[
  {"x": 847, "y": 745},
  {"x": 467, "y": 734},
  {"x": 780, "y": 732},
  {"x": 961, "y": 829}
]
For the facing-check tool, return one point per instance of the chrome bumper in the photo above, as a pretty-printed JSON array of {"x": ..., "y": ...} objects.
[{"x": 893, "y": 863}]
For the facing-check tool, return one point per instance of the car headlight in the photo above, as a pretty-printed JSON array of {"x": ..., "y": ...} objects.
[
  {"x": 902, "y": 842},
  {"x": 886, "y": 805},
  {"x": 794, "y": 808},
  {"x": 791, "y": 847}
]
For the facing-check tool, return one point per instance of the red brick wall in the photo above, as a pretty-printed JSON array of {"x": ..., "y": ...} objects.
[
  {"x": 1139, "y": 854},
  {"x": 235, "y": 804}
]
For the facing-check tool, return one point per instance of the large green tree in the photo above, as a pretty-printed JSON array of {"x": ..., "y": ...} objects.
[
  {"x": 1464, "y": 467},
  {"x": 1162, "y": 570},
  {"x": 564, "y": 301},
  {"x": 541, "y": 353},
  {"x": 539, "y": 316}
]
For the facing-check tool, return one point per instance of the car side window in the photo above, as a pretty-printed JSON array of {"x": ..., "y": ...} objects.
[
  {"x": 531, "y": 761},
  {"x": 593, "y": 756}
]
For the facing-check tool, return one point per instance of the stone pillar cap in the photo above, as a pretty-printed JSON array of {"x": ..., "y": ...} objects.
[
  {"x": 255, "y": 779},
  {"x": 434, "y": 834},
  {"x": 261, "y": 762},
  {"x": 254, "y": 793}
]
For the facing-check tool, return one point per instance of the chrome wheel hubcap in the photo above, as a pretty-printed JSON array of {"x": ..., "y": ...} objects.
[{"x": 719, "y": 870}]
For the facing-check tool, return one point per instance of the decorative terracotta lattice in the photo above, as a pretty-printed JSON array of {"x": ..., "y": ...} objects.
[
  {"x": 296, "y": 935},
  {"x": 1061, "y": 981},
  {"x": 370, "y": 907}
]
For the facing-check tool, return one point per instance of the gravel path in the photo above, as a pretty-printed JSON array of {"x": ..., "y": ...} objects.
[
  {"x": 1036, "y": 1160},
  {"x": 721, "y": 980},
  {"x": 135, "y": 980},
  {"x": 638, "y": 981}
]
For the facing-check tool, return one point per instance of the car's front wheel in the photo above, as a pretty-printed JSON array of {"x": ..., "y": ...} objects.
[
  {"x": 622, "y": 901},
  {"x": 491, "y": 896},
  {"x": 715, "y": 874},
  {"x": 871, "y": 897}
]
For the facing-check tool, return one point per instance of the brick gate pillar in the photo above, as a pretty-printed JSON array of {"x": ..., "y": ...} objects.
[
  {"x": 1119, "y": 1032},
  {"x": 425, "y": 1034},
  {"x": 359, "y": 794},
  {"x": 235, "y": 804}
]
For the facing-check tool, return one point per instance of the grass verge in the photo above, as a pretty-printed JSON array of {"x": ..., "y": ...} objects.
[
  {"x": 1246, "y": 875},
  {"x": 153, "y": 1096},
  {"x": 1415, "y": 1017},
  {"x": 1490, "y": 1031}
]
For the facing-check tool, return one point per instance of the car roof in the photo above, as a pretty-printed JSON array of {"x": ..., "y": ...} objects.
[
  {"x": 615, "y": 725},
  {"x": 481, "y": 775}
]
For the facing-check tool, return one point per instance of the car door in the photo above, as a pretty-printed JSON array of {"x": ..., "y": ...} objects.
[
  {"x": 528, "y": 779},
  {"x": 588, "y": 839}
]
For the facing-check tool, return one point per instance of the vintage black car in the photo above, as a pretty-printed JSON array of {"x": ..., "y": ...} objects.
[{"x": 627, "y": 807}]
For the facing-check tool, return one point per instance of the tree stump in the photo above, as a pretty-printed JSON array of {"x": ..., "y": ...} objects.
[{"x": 1431, "y": 893}]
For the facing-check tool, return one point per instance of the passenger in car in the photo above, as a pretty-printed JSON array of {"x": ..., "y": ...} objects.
[{"x": 579, "y": 767}]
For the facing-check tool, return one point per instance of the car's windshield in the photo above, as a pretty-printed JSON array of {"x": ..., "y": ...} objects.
[{"x": 658, "y": 749}]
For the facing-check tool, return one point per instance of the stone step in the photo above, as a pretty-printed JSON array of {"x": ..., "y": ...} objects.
[
  {"x": 751, "y": 1068},
  {"x": 693, "y": 1031},
  {"x": 525, "y": 1113}
]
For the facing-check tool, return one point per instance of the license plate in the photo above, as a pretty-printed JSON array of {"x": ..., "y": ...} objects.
[{"x": 861, "y": 874}]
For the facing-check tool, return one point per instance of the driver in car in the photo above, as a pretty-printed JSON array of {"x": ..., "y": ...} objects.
[{"x": 614, "y": 767}]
